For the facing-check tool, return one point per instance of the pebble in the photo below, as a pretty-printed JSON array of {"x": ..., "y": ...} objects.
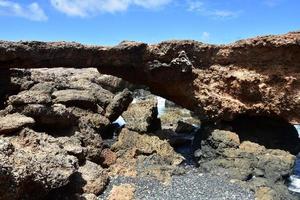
[{"x": 190, "y": 186}]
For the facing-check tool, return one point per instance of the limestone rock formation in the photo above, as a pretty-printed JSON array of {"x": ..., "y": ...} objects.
[
  {"x": 141, "y": 116},
  {"x": 122, "y": 192},
  {"x": 32, "y": 165},
  {"x": 51, "y": 127},
  {"x": 144, "y": 155},
  {"x": 14, "y": 122},
  {"x": 91, "y": 178},
  {"x": 251, "y": 165},
  {"x": 258, "y": 76}
]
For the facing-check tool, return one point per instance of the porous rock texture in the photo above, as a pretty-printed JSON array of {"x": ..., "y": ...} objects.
[
  {"x": 141, "y": 116},
  {"x": 249, "y": 164},
  {"x": 51, "y": 129},
  {"x": 258, "y": 76}
]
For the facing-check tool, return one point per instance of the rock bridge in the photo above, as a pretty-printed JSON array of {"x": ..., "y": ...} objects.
[{"x": 259, "y": 76}]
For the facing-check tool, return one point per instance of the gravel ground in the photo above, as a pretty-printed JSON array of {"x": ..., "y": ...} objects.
[{"x": 190, "y": 186}]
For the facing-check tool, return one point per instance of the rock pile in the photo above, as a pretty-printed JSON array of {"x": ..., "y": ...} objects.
[
  {"x": 50, "y": 134},
  {"x": 249, "y": 164}
]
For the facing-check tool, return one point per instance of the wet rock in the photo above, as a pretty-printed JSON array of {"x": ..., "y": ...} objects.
[
  {"x": 90, "y": 178},
  {"x": 30, "y": 97},
  {"x": 14, "y": 122},
  {"x": 118, "y": 105},
  {"x": 141, "y": 116},
  {"x": 32, "y": 166},
  {"x": 122, "y": 192}
]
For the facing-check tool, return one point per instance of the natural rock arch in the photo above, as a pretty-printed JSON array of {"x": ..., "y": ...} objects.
[{"x": 258, "y": 76}]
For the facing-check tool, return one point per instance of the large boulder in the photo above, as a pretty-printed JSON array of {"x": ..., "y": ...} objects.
[
  {"x": 118, "y": 105},
  {"x": 90, "y": 178},
  {"x": 32, "y": 165},
  {"x": 141, "y": 116},
  {"x": 49, "y": 116},
  {"x": 144, "y": 155}
]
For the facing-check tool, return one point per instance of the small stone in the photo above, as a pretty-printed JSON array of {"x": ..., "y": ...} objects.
[
  {"x": 122, "y": 192},
  {"x": 109, "y": 157}
]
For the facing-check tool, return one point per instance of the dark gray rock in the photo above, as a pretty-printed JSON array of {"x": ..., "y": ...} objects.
[{"x": 118, "y": 105}]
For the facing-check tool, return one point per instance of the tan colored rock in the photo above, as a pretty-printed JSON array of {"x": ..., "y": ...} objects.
[
  {"x": 91, "y": 178},
  {"x": 266, "y": 193},
  {"x": 14, "y": 122},
  {"x": 257, "y": 76},
  {"x": 141, "y": 116},
  {"x": 146, "y": 144},
  {"x": 108, "y": 157},
  {"x": 224, "y": 139},
  {"x": 122, "y": 192},
  {"x": 251, "y": 147},
  {"x": 32, "y": 165},
  {"x": 78, "y": 98},
  {"x": 88, "y": 197},
  {"x": 142, "y": 155}
]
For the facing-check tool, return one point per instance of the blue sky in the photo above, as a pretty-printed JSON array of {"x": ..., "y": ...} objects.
[{"x": 107, "y": 22}]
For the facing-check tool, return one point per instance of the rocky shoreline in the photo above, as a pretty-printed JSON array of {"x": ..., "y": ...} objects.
[
  {"x": 60, "y": 140},
  {"x": 55, "y": 131}
]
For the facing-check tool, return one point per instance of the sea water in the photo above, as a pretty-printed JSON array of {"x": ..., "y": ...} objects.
[{"x": 294, "y": 185}]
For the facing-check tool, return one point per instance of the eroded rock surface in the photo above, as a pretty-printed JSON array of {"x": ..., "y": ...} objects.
[
  {"x": 141, "y": 116},
  {"x": 14, "y": 122},
  {"x": 50, "y": 135},
  {"x": 251, "y": 165},
  {"x": 32, "y": 165},
  {"x": 258, "y": 76}
]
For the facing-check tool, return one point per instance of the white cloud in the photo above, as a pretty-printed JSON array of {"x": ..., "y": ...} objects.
[
  {"x": 272, "y": 3},
  {"x": 32, "y": 11},
  {"x": 205, "y": 36},
  {"x": 201, "y": 8},
  {"x": 92, "y": 7}
]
